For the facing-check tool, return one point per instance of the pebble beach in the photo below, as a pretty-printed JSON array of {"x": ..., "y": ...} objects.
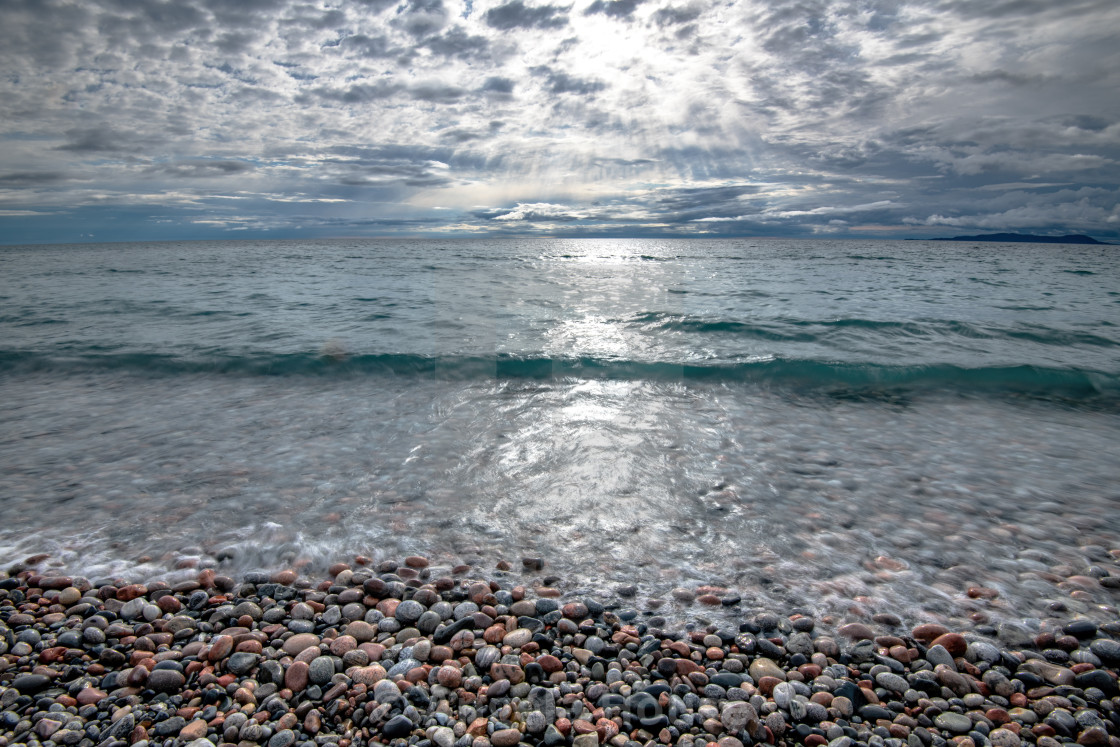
[
  {"x": 485, "y": 493},
  {"x": 409, "y": 653}
]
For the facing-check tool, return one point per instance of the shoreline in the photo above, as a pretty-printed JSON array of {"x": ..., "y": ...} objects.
[{"x": 378, "y": 652}]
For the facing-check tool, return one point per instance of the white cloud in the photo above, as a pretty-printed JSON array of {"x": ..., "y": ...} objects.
[{"x": 562, "y": 114}]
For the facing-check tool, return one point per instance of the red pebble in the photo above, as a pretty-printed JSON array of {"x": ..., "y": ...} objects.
[
  {"x": 550, "y": 663},
  {"x": 130, "y": 592},
  {"x": 168, "y": 603},
  {"x": 927, "y": 632},
  {"x": 766, "y": 685},
  {"x": 954, "y": 643},
  {"x": 855, "y": 631}
]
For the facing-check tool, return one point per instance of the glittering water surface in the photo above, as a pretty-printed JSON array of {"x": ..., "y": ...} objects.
[{"x": 832, "y": 427}]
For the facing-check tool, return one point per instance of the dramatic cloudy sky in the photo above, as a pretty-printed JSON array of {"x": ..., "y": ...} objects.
[{"x": 140, "y": 119}]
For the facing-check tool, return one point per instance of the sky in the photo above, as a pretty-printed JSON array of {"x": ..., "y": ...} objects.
[{"x": 193, "y": 119}]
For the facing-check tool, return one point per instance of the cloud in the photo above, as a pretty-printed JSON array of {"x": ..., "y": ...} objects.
[
  {"x": 199, "y": 168},
  {"x": 435, "y": 91},
  {"x": 560, "y": 81},
  {"x": 518, "y": 15},
  {"x": 614, "y": 8},
  {"x": 421, "y": 17},
  {"x": 375, "y": 47},
  {"x": 457, "y": 42},
  {"x": 100, "y": 139},
  {"x": 539, "y": 211},
  {"x": 675, "y": 15},
  {"x": 18, "y": 180},
  {"x": 681, "y": 117},
  {"x": 359, "y": 93},
  {"x": 497, "y": 84}
]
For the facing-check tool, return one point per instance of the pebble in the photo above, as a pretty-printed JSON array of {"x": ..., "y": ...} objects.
[
  {"x": 957, "y": 723},
  {"x": 505, "y": 737},
  {"x": 763, "y": 667},
  {"x": 299, "y": 642},
  {"x": 398, "y": 726},
  {"x": 241, "y": 663},
  {"x": 310, "y": 664},
  {"x": 165, "y": 680},
  {"x": 856, "y": 631}
]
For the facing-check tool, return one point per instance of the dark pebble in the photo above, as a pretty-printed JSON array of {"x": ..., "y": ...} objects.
[
  {"x": 241, "y": 662},
  {"x": 1108, "y": 651},
  {"x": 31, "y": 683},
  {"x": 398, "y": 726},
  {"x": 1080, "y": 628},
  {"x": 165, "y": 680},
  {"x": 726, "y": 679},
  {"x": 169, "y": 728},
  {"x": 545, "y": 605},
  {"x": 1099, "y": 679},
  {"x": 874, "y": 712},
  {"x": 287, "y": 737}
]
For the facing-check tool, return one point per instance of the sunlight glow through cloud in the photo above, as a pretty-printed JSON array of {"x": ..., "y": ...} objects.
[{"x": 162, "y": 119}]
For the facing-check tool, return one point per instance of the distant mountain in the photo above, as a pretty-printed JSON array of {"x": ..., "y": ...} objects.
[{"x": 1028, "y": 238}]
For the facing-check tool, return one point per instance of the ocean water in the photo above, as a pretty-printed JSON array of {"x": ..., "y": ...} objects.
[{"x": 842, "y": 428}]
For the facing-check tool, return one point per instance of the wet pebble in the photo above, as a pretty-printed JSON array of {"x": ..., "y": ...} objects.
[{"x": 511, "y": 667}]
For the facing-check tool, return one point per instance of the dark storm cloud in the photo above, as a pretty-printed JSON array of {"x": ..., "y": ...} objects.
[
  {"x": 560, "y": 81},
  {"x": 201, "y": 168},
  {"x": 19, "y": 180},
  {"x": 460, "y": 136},
  {"x": 516, "y": 14},
  {"x": 457, "y": 42},
  {"x": 497, "y": 84},
  {"x": 103, "y": 139},
  {"x": 684, "y": 204},
  {"x": 1086, "y": 122},
  {"x": 369, "y": 46},
  {"x": 1011, "y": 78},
  {"x": 359, "y": 93},
  {"x": 614, "y": 8},
  {"x": 235, "y": 42},
  {"x": 669, "y": 16},
  {"x": 436, "y": 92},
  {"x": 421, "y": 17},
  {"x": 366, "y": 93}
]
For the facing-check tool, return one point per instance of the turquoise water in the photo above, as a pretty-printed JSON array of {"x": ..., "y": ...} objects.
[{"x": 806, "y": 423}]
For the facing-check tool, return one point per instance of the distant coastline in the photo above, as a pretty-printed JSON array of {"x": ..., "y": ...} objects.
[{"x": 1028, "y": 238}]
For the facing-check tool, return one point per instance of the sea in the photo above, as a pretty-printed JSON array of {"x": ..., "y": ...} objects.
[{"x": 855, "y": 430}]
